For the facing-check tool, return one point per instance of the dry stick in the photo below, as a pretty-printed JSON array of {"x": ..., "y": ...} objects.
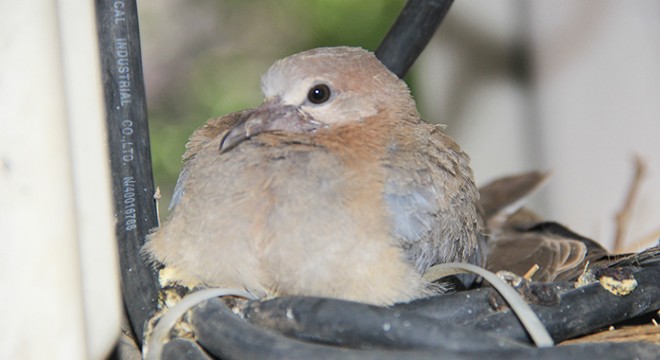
[
  {"x": 624, "y": 215},
  {"x": 643, "y": 242},
  {"x": 528, "y": 275},
  {"x": 157, "y": 198}
]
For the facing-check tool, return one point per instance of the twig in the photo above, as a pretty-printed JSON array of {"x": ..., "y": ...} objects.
[
  {"x": 624, "y": 215},
  {"x": 643, "y": 242},
  {"x": 157, "y": 198},
  {"x": 528, "y": 275}
]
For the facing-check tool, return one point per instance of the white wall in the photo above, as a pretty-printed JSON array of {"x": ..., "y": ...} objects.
[
  {"x": 594, "y": 101},
  {"x": 58, "y": 261}
]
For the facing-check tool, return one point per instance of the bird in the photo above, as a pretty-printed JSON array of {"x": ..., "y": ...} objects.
[
  {"x": 520, "y": 239},
  {"x": 333, "y": 187}
]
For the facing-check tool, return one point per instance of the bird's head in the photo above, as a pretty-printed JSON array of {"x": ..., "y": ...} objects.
[{"x": 322, "y": 88}]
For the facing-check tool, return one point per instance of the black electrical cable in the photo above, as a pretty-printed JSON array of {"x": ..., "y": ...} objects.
[
  {"x": 582, "y": 310},
  {"x": 410, "y": 34},
  {"x": 226, "y": 336},
  {"x": 357, "y": 325},
  {"x": 130, "y": 157},
  {"x": 179, "y": 349}
]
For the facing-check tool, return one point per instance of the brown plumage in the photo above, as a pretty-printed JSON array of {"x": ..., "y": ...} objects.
[
  {"x": 332, "y": 187},
  {"x": 520, "y": 239}
]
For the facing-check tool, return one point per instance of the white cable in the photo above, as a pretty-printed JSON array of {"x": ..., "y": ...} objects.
[
  {"x": 154, "y": 346},
  {"x": 525, "y": 314}
]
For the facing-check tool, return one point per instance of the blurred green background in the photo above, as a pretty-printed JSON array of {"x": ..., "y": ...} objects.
[{"x": 203, "y": 59}]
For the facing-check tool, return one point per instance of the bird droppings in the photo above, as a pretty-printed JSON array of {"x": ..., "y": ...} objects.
[
  {"x": 617, "y": 281},
  {"x": 618, "y": 287}
]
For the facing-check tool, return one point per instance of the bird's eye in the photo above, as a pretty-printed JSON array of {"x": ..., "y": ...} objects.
[{"x": 319, "y": 94}]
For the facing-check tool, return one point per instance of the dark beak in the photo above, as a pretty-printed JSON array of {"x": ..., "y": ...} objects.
[{"x": 271, "y": 116}]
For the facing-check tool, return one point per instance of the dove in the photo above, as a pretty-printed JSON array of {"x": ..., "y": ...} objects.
[
  {"x": 520, "y": 239},
  {"x": 332, "y": 187}
]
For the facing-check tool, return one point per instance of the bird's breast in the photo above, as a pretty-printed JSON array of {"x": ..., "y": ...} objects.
[{"x": 304, "y": 210}]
